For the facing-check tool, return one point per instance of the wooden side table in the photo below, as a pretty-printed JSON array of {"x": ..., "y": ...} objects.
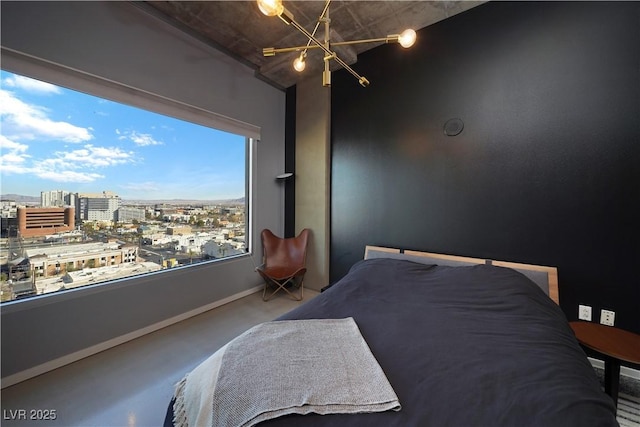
[{"x": 614, "y": 344}]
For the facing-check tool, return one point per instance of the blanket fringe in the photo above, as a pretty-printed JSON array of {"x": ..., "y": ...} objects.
[{"x": 179, "y": 411}]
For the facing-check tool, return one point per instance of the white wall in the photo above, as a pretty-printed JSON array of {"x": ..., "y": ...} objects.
[{"x": 121, "y": 42}]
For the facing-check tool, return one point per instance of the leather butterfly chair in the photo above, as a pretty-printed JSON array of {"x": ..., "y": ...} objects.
[{"x": 284, "y": 263}]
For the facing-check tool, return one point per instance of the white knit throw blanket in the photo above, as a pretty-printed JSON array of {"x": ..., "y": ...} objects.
[{"x": 285, "y": 367}]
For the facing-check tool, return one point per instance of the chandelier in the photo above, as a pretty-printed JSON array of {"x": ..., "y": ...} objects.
[{"x": 275, "y": 8}]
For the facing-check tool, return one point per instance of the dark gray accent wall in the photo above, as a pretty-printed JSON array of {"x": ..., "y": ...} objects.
[{"x": 546, "y": 169}]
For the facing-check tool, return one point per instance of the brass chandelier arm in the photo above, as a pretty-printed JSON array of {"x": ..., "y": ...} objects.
[
  {"x": 322, "y": 16},
  {"x": 388, "y": 39},
  {"x": 330, "y": 54},
  {"x": 271, "y": 51}
]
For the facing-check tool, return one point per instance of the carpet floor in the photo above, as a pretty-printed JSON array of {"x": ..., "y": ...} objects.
[{"x": 628, "y": 400}]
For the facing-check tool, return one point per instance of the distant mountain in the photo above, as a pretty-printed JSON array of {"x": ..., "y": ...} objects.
[
  {"x": 183, "y": 202},
  {"x": 20, "y": 199}
]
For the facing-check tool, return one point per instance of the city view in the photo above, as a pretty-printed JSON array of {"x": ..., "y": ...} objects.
[
  {"x": 93, "y": 190},
  {"x": 41, "y": 253}
]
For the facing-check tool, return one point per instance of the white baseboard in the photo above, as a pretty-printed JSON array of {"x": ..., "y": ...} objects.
[
  {"x": 90, "y": 351},
  {"x": 628, "y": 372}
]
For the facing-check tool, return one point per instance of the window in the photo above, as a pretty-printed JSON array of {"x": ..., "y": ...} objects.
[{"x": 95, "y": 190}]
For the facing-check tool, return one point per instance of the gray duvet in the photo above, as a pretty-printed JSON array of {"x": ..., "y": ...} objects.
[{"x": 462, "y": 346}]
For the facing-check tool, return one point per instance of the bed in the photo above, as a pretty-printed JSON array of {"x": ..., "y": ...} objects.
[{"x": 462, "y": 342}]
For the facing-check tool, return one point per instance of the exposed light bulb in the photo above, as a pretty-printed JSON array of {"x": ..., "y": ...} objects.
[
  {"x": 271, "y": 7},
  {"x": 299, "y": 64},
  {"x": 407, "y": 38}
]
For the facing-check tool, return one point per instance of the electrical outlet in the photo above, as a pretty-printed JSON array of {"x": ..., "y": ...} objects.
[
  {"x": 607, "y": 317},
  {"x": 584, "y": 312}
]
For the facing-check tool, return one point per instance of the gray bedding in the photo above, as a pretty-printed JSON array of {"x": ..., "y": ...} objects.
[{"x": 462, "y": 346}]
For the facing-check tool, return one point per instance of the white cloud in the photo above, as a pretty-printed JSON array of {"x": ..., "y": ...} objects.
[
  {"x": 89, "y": 157},
  {"x": 143, "y": 140},
  {"x": 7, "y": 144},
  {"x": 48, "y": 171},
  {"x": 13, "y": 163},
  {"x": 13, "y": 155},
  {"x": 68, "y": 176},
  {"x": 71, "y": 166},
  {"x": 31, "y": 85},
  {"x": 22, "y": 121},
  {"x": 140, "y": 139}
]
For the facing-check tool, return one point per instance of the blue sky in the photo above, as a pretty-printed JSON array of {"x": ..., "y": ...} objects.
[{"x": 52, "y": 138}]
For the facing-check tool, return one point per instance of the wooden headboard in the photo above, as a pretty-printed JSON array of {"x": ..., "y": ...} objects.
[{"x": 545, "y": 277}]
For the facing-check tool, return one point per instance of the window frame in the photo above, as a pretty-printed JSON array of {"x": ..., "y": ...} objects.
[{"x": 60, "y": 75}]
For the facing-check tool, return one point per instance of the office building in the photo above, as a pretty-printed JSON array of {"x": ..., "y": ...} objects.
[{"x": 35, "y": 222}]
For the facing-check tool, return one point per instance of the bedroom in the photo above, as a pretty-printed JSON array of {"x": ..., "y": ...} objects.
[{"x": 567, "y": 195}]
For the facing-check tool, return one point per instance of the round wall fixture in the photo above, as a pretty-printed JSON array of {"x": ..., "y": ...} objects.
[{"x": 453, "y": 127}]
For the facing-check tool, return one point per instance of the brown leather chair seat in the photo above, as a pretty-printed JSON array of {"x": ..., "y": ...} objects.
[{"x": 284, "y": 264}]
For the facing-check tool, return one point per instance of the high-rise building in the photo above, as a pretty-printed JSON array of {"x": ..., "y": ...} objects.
[
  {"x": 57, "y": 198},
  {"x": 98, "y": 207}
]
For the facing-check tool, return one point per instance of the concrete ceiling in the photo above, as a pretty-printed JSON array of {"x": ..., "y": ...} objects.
[{"x": 240, "y": 29}]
